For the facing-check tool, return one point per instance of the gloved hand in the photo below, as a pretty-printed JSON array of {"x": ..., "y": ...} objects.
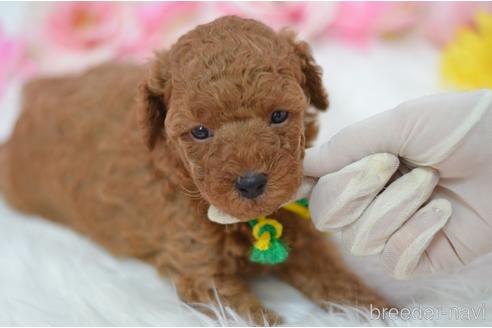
[{"x": 423, "y": 199}]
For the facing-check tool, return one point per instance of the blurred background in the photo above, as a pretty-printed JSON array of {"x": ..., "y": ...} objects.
[{"x": 375, "y": 55}]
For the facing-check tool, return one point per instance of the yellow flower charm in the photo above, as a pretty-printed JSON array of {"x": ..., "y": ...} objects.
[
  {"x": 467, "y": 61},
  {"x": 268, "y": 248}
]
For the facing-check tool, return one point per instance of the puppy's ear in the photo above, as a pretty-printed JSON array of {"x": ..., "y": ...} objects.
[
  {"x": 153, "y": 97},
  {"x": 313, "y": 83}
]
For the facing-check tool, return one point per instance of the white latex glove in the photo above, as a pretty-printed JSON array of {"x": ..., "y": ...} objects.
[{"x": 435, "y": 214}]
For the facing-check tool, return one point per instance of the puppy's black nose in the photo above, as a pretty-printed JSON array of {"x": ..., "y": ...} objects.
[{"x": 251, "y": 185}]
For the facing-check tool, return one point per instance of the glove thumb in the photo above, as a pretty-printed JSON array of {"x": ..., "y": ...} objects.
[
  {"x": 423, "y": 131},
  {"x": 377, "y": 134}
]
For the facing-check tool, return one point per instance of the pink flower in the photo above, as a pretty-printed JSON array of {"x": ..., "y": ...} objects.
[
  {"x": 84, "y": 25},
  {"x": 308, "y": 18},
  {"x": 359, "y": 22},
  {"x": 157, "y": 25},
  {"x": 13, "y": 61},
  {"x": 441, "y": 20},
  {"x": 71, "y": 36}
]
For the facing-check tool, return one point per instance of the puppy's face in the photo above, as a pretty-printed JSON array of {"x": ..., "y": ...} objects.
[
  {"x": 238, "y": 131},
  {"x": 243, "y": 150}
]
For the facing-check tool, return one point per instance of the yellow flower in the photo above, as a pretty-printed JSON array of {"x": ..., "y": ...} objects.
[{"x": 467, "y": 61}]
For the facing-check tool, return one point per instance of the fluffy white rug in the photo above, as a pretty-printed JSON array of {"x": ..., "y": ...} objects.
[{"x": 52, "y": 276}]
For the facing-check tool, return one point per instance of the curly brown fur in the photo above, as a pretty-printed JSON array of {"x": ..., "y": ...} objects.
[
  {"x": 3, "y": 164},
  {"x": 77, "y": 156}
]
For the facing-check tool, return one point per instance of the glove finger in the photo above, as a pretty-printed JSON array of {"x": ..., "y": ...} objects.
[
  {"x": 400, "y": 200},
  {"x": 305, "y": 188},
  {"x": 465, "y": 237},
  {"x": 339, "y": 198},
  {"x": 404, "y": 254}
]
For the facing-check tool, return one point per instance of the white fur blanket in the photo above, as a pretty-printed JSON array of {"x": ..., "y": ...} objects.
[{"x": 52, "y": 276}]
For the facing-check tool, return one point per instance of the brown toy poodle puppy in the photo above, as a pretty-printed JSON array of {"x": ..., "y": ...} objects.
[{"x": 225, "y": 120}]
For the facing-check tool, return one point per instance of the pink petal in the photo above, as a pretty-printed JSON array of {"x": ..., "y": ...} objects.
[{"x": 80, "y": 25}]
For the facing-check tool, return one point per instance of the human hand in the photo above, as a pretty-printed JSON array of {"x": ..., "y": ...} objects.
[{"x": 413, "y": 184}]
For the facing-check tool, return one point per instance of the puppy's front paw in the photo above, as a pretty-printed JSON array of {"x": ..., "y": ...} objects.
[{"x": 356, "y": 295}]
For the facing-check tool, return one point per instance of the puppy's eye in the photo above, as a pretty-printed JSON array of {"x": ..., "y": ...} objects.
[
  {"x": 200, "y": 132},
  {"x": 279, "y": 117}
]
